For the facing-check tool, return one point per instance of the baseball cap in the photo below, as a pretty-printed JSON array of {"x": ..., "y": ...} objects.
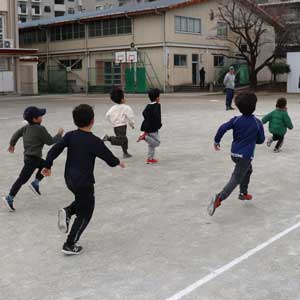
[
  {"x": 231, "y": 68},
  {"x": 32, "y": 112}
]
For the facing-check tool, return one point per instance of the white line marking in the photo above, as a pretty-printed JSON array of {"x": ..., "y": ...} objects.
[
  {"x": 214, "y": 100},
  {"x": 231, "y": 264}
]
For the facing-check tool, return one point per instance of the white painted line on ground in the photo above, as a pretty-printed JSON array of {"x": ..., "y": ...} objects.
[
  {"x": 231, "y": 264},
  {"x": 214, "y": 100}
]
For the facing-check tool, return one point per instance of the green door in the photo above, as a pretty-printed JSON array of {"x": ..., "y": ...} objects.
[
  {"x": 57, "y": 80},
  {"x": 244, "y": 74},
  {"x": 135, "y": 80}
]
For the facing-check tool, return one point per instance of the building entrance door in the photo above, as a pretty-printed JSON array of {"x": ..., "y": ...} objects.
[{"x": 195, "y": 69}]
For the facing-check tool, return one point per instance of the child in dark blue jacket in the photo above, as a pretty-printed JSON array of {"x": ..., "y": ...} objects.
[{"x": 247, "y": 132}]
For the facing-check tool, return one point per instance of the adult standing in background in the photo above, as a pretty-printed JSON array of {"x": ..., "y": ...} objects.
[
  {"x": 202, "y": 77},
  {"x": 229, "y": 82}
]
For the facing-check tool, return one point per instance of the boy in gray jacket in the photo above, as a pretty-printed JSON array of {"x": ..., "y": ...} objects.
[{"x": 35, "y": 136}]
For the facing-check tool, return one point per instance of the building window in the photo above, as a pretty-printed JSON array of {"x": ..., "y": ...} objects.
[
  {"x": 74, "y": 64},
  {"x": 1, "y": 31},
  {"x": 219, "y": 61},
  {"x": 222, "y": 30},
  {"x": 110, "y": 27},
  {"x": 47, "y": 9},
  {"x": 33, "y": 36},
  {"x": 67, "y": 32},
  {"x": 180, "y": 60},
  {"x": 71, "y": 11},
  {"x": 187, "y": 25},
  {"x": 59, "y": 13},
  {"x": 22, "y": 19}
]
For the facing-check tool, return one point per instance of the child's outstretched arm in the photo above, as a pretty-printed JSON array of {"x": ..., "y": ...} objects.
[
  {"x": 261, "y": 133},
  {"x": 105, "y": 154},
  {"x": 266, "y": 118},
  {"x": 221, "y": 131},
  {"x": 130, "y": 117},
  {"x": 14, "y": 139},
  {"x": 48, "y": 139},
  {"x": 53, "y": 153},
  {"x": 288, "y": 121}
]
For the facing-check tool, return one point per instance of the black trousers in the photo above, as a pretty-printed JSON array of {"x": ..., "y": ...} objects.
[
  {"x": 31, "y": 163},
  {"x": 240, "y": 176},
  {"x": 280, "y": 140},
  {"x": 83, "y": 208},
  {"x": 120, "y": 139}
]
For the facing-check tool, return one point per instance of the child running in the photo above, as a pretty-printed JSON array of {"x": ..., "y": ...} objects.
[
  {"x": 247, "y": 132},
  {"x": 119, "y": 116},
  {"x": 151, "y": 125},
  {"x": 83, "y": 148},
  {"x": 35, "y": 136},
  {"x": 279, "y": 121}
]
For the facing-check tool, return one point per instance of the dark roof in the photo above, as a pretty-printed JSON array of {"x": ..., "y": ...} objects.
[
  {"x": 135, "y": 9},
  {"x": 141, "y": 8}
]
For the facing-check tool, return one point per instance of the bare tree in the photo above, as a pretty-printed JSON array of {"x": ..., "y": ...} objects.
[{"x": 250, "y": 33}]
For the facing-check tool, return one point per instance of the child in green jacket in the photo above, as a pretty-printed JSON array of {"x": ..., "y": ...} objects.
[{"x": 279, "y": 121}]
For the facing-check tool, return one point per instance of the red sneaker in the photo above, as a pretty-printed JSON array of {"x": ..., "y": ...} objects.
[
  {"x": 152, "y": 161},
  {"x": 142, "y": 137},
  {"x": 245, "y": 197},
  {"x": 214, "y": 204}
]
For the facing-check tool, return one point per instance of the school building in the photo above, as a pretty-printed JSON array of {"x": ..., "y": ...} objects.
[
  {"x": 174, "y": 39},
  {"x": 18, "y": 68}
]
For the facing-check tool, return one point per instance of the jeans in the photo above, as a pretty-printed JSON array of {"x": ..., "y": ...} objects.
[
  {"x": 229, "y": 97},
  {"x": 153, "y": 141},
  {"x": 83, "y": 208},
  {"x": 31, "y": 163},
  {"x": 240, "y": 176},
  {"x": 120, "y": 139}
]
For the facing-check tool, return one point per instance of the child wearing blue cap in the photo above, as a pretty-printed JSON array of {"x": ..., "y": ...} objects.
[{"x": 35, "y": 136}]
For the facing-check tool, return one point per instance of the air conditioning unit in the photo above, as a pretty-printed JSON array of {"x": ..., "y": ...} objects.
[{"x": 8, "y": 43}]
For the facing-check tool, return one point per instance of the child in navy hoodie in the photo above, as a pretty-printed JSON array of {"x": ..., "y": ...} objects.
[{"x": 247, "y": 132}]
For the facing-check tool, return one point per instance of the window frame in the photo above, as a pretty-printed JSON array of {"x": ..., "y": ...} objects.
[
  {"x": 190, "y": 25},
  {"x": 180, "y": 56}
]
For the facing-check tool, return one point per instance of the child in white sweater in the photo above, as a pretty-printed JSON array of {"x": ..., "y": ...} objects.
[{"x": 119, "y": 116}]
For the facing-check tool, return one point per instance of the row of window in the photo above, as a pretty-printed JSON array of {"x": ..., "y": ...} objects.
[
  {"x": 193, "y": 25},
  {"x": 77, "y": 31},
  {"x": 180, "y": 60}
]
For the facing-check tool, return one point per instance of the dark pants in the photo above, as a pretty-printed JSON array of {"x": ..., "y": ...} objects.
[
  {"x": 120, "y": 139},
  {"x": 240, "y": 176},
  {"x": 31, "y": 163},
  {"x": 83, "y": 208},
  {"x": 278, "y": 138},
  {"x": 202, "y": 81},
  {"x": 229, "y": 97}
]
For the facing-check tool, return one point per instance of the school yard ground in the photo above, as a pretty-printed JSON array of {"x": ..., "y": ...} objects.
[{"x": 150, "y": 237}]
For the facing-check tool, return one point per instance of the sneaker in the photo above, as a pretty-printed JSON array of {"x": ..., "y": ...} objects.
[
  {"x": 245, "y": 196},
  {"x": 127, "y": 155},
  {"x": 214, "y": 203},
  {"x": 142, "y": 137},
  {"x": 151, "y": 161},
  {"x": 35, "y": 188},
  {"x": 71, "y": 249},
  {"x": 63, "y": 220},
  {"x": 277, "y": 150},
  {"x": 105, "y": 138},
  {"x": 9, "y": 203},
  {"x": 270, "y": 141},
  {"x": 231, "y": 108}
]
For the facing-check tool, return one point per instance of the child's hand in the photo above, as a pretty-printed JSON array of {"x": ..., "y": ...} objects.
[
  {"x": 217, "y": 147},
  {"x": 11, "y": 149},
  {"x": 121, "y": 165},
  {"x": 46, "y": 172},
  {"x": 60, "y": 131}
]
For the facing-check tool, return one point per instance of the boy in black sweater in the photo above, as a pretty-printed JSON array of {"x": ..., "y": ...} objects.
[
  {"x": 151, "y": 125},
  {"x": 35, "y": 136},
  {"x": 83, "y": 148}
]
